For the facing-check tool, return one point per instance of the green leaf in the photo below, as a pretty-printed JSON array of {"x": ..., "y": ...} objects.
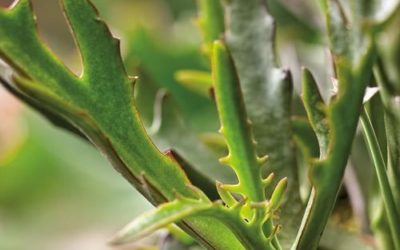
[
  {"x": 316, "y": 110},
  {"x": 267, "y": 89},
  {"x": 277, "y": 196},
  {"x": 98, "y": 93},
  {"x": 392, "y": 212},
  {"x": 267, "y": 92},
  {"x": 100, "y": 103},
  {"x": 235, "y": 127},
  {"x": 352, "y": 47},
  {"x": 242, "y": 156}
]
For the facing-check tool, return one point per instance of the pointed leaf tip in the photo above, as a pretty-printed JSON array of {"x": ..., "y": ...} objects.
[
  {"x": 310, "y": 91},
  {"x": 162, "y": 216},
  {"x": 267, "y": 181}
]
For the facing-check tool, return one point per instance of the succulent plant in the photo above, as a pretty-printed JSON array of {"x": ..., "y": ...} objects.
[{"x": 256, "y": 203}]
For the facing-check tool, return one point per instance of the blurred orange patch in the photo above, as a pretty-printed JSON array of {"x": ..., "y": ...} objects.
[{"x": 11, "y": 130}]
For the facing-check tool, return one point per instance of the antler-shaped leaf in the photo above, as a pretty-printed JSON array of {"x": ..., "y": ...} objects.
[
  {"x": 242, "y": 155},
  {"x": 91, "y": 99},
  {"x": 267, "y": 89},
  {"x": 100, "y": 103},
  {"x": 235, "y": 127},
  {"x": 353, "y": 53},
  {"x": 267, "y": 92}
]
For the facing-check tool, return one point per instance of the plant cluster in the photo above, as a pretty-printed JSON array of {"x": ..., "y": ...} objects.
[{"x": 256, "y": 203}]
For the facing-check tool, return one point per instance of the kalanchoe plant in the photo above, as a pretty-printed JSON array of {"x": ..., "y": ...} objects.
[{"x": 260, "y": 205}]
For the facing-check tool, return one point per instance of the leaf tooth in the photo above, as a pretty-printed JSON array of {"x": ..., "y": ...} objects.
[
  {"x": 133, "y": 80},
  {"x": 116, "y": 42},
  {"x": 235, "y": 188},
  {"x": 226, "y": 195},
  {"x": 267, "y": 181},
  {"x": 262, "y": 160},
  {"x": 226, "y": 160},
  {"x": 221, "y": 130}
]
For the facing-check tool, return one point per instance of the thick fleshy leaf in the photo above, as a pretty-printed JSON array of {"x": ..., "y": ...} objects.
[
  {"x": 242, "y": 156},
  {"x": 100, "y": 103},
  {"x": 263, "y": 84},
  {"x": 267, "y": 92},
  {"x": 353, "y": 52},
  {"x": 235, "y": 127}
]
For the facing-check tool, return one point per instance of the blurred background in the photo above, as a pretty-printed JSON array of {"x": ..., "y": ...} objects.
[{"x": 57, "y": 191}]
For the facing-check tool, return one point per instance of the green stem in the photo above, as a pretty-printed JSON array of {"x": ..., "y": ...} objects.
[{"x": 380, "y": 168}]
